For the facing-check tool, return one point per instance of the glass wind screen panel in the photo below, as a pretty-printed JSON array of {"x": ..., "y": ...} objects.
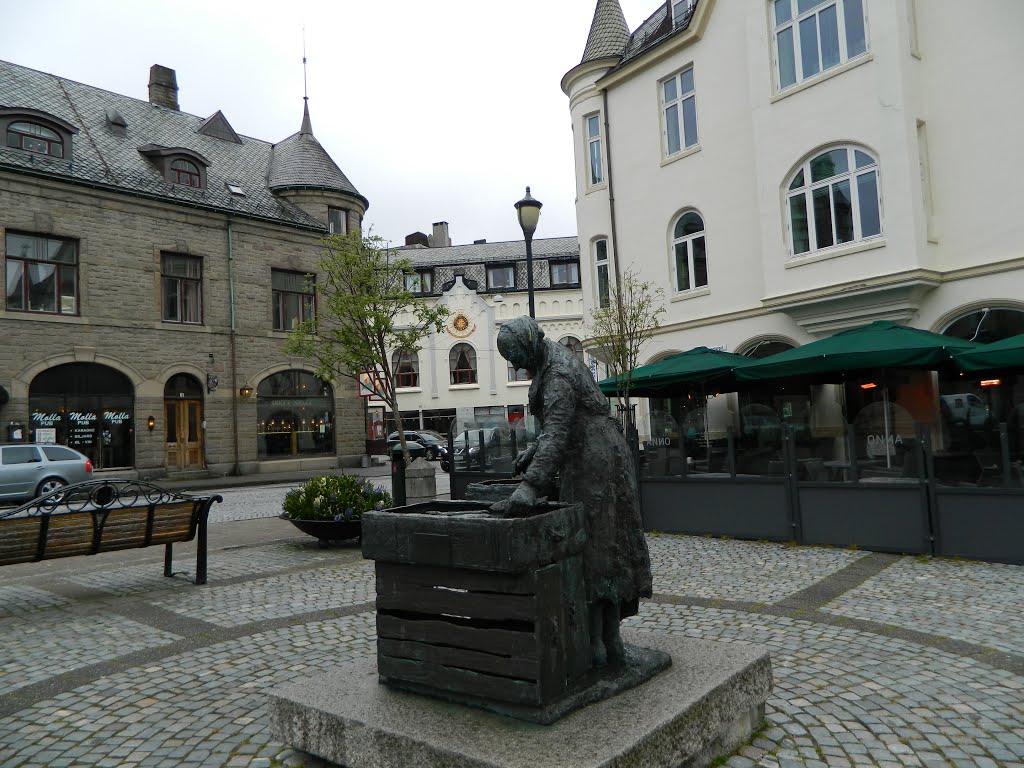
[
  {"x": 412, "y": 283},
  {"x": 172, "y": 422},
  {"x": 862, "y": 160},
  {"x": 61, "y": 251},
  {"x": 700, "y": 263},
  {"x": 672, "y": 127},
  {"x": 288, "y": 281},
  {"x": 596, "y": 174},
  {"x": 593, "y": 127},
  {"x": 688, "y": 224},
  {"x": 171, "y": 304},
  {"x": 842, "y": 209},
  {"x": 809, "y": 46},
  {"x": 670, "y": 90},
  {"x": 427, "y": 282},
  {"x": 783, "y": 11},
  {"x": 190, "y": 302},
  {"x": 23, "y": 246},
  {"x": 291, "y": 311},
  {"x": 565, "y": 274},
  {"x": 798, "y": 223},
  {"x": 787, "y": 58},
  {"x": 682, "y": 268},
  {"x": 602, "y": 285},
  {"x": 15, "y": 281},
  {"x": 867, "y": 197},
  {"x": 828, "y": 26},
  {"x": 853, "y": 15},
  {"x": 798, "y": 181},
  {"x": 42, "y": 287},
  {"x": 686, "y": 81},
  {"x": 829, "y": 164},
  {"x": 502, "y": 277},
  {"x": 68, "y": 291},
  {"x": 822, "y": 218},
  {"x": 690, "y": 121},
  {"x": 802, "y": 6}
]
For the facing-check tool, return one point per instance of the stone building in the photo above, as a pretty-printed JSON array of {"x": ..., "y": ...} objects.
[
  {"x": 458, "y": 375},
  {"x": 154, "y": 262},
  {"x": 794, "y": 168}
]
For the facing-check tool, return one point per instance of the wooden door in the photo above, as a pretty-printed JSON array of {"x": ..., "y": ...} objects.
[{"x": 184, "y": 442}]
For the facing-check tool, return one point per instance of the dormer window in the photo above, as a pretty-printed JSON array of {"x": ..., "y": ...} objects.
[
  {"x": 178, "y": 165},
  {"x": 184, "y": 172},
  {"x": 35, "y": 138}
]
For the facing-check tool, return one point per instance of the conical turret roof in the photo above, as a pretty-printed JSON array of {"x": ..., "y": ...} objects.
[
  {"x": 301, "y": 162},
  {"x": 608, "y": 32}
]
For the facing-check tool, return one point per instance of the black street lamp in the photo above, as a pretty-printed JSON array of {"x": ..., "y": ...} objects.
[{"x": 528, "y": 211}]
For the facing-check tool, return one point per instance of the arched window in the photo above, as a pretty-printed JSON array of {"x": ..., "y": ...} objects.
[
  {"x": 295, "y": 415},
  {"x": 689, "y": 253},
  {"x": 185, "y": 173},
  {"x": 574, "y": 345},
  {"x": 406, "y": 366},
  {"x": 833, "y": 199},
  {"x": 462, "y": 364},
  {"x": 35, "y": 138}
]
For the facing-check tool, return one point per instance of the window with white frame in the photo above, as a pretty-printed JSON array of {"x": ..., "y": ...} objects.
[
  {"x": 812, "y": 36},
  {"x": 601, "y": 271},
  {"x": 679, "y": 109},
  {"x": 501, "y": 277},
  {"x": 564, "y": 273},
  {"x": 517, "y": 374},
  {"x": 462, "y": 364},
  {"x": 337, "y": 221},
  {"x": 689, "y": 252},
  {"x": 595, "y": 172},
  {"x": 833, "y": 198},
  {"x": 681, "y": 10},
  {"x": 406, "y": 365}
]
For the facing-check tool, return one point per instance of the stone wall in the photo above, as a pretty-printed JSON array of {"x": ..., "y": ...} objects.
[{"x": 119, "y": 324}]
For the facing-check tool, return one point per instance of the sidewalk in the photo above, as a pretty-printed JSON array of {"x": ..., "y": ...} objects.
[
  {"x": 878, "y": 660},
  {"x": 267, "y": 478}
]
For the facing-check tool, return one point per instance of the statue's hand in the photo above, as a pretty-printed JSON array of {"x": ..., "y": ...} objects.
[
  {"x": 523, "y": 460},
  {"x": 519, "y": 504}
]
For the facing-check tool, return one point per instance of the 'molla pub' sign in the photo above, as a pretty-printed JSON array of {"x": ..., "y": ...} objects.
[{"x": 82, "y": 426}]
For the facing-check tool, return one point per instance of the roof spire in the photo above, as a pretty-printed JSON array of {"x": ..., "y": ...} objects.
[
  {"x": 307, "y": 125},
  {"x": 608, "y": 32}
]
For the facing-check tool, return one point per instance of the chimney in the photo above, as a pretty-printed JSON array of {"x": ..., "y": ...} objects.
[
  {"x": 417, "y": 238},
  {"x": 440, "y": 237},
  {"x": 163, "y": 87}
]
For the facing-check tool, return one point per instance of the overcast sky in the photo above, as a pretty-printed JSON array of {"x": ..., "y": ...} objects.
[{"x": 436, "y": 111}]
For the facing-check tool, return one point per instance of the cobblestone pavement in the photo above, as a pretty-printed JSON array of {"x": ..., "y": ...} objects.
[{"x": 878, "y": 660}]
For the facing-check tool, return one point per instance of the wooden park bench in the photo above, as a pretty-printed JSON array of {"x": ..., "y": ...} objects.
[{"x": 105, "y": 516}]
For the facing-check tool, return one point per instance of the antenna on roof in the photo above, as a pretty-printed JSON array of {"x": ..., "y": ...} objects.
[{"x": 305, "y": 90}]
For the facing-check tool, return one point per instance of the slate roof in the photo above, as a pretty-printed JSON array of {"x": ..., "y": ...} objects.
[
  {"x": 101, "y": 157},
  {"x": 488, "y": 253},
  {"x": 608, "y": 32},
  {"x": 301, "y": 162},
  {"x": 655, "y": 29}
]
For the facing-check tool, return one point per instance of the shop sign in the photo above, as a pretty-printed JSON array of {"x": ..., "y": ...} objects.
[
  {"x": 45, "y": 419},
  {"x": 117, "y": 418},
  {"x": 82, "y": 428}
]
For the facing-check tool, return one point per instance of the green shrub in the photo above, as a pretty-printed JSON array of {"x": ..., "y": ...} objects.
[{"x": 334, "y": 497}]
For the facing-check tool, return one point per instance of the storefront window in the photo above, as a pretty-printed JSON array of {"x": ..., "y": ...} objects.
[
  {"x": 87, "y": 407},
  {"x": 295, "y": 412}
]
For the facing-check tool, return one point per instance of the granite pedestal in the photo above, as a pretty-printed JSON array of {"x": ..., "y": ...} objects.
[{"x": 705, "y": 705}]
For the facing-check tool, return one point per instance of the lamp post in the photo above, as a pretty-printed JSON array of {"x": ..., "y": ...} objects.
[{"x": 528, "y": 211}]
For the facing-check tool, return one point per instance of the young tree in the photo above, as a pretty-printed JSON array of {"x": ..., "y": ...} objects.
[
  {"x": 622, "y": 329},
  {"x": 365, "y": 312}
]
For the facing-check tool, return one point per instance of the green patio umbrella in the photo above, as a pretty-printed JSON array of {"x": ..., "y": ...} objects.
[
  {"x": 1006, "y": 353},
  {"x": 882, "y": 344},
  {"x": 664, "y": 377}
]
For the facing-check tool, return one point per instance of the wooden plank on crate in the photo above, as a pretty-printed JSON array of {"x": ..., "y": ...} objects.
[
  {"x": 434, "y": 600},
  {"x": 550, "y": 631},
  {"x": 486, "y": 639},
  {"x": 506, "y": 666},
  {"x": 577, "y": 620},
  {"x": 459, "y": 680},
  {"x": 392, "y": 576}
]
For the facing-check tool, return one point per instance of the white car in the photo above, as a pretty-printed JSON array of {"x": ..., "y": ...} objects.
[{"x": 28, "y": 470}]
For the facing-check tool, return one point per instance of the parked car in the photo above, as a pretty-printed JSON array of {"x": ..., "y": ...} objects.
[
  {"x": 28, "y": 470},
  {"x": 435, "y": 446}
]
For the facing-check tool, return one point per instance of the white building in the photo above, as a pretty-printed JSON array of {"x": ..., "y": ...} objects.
[
  {"x": 459, "y": 374},
  {"x": 793, "y": 168}
]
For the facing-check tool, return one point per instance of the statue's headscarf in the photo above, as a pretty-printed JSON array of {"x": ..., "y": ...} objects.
[{"x": 523, "y": 331}]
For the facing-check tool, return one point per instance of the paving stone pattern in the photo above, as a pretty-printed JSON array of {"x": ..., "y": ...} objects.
[{"x": 160, "y": 672}]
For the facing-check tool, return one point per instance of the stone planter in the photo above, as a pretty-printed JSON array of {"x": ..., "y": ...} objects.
[{"x": 328, "y": 530}]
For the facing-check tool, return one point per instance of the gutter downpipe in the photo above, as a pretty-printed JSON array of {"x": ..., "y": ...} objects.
[{"x": 234, "y": 365}]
